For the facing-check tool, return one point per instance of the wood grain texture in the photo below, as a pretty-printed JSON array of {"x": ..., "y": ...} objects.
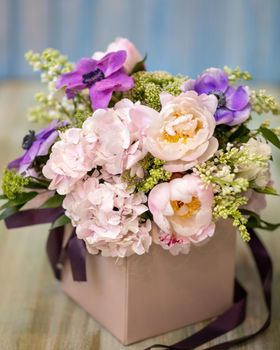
[{"x": 35, "y": 314}]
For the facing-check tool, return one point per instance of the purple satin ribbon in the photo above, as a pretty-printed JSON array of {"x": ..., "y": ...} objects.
[
  {"x": 75, "y": 251},
  {"x": 32, "y": 217},
  {"x": 235, "y": 315}
]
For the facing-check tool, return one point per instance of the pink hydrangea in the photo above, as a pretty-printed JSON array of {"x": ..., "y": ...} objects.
[
  {"x": 71, "y": 158},
  {"x": 119, "y": 133},
  {"x": 111, "y": 138},
  {"x": 182, "y": 210},
  {"x": 106, "y": 216}
]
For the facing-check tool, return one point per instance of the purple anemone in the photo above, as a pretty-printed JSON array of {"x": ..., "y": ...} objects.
[
  {"x": 233, "y": 102},
  {"x": 35, "y": 145},
  {"x": 101, "y": 77}
]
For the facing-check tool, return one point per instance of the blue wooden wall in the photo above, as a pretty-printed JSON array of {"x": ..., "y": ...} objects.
[{"x": 179, "y": 35}]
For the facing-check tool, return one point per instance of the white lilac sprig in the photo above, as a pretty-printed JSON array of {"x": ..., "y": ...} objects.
[
  {"x": 231, "y": 173},
  {"x": 51, "y": 105}
]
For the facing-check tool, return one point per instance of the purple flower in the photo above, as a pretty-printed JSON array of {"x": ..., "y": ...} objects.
[
  {"x": 233, "y": 102},
  {"x": 101, "y": 77},
  {"x": 35, "y": 145}
]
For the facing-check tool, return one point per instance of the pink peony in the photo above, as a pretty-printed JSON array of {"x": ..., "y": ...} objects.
[
  {"x": 106, "y": 216},
  {"x": 71, "y": 158},
  {"x": 133, "y": 55},
  {"x": 182, "y": 209},
  {"x": 182, "y": 134}
]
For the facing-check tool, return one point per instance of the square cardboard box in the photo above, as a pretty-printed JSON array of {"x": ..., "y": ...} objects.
[{"x": 143, "y": 296}]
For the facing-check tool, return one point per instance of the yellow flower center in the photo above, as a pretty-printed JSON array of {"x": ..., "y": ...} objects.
[
  {"x": 186, "y": 210},
  {"x": 183, "y": 131}
]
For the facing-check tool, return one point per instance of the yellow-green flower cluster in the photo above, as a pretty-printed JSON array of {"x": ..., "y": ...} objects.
[
  {"x": 154, "y": 173},
  {"x": 239, "y": 158},
  {"x": 264, "y": 103},
  {"x": 148, "y": 86},
  {"x": 228, "y": 207},
  {"x": 54, "y": 104},
  {"x": 237, "y": 74},
  {"x": 222, "y": 173},
  {"x": 51, "y": 63},
  {"x": 13, "y": 183}
]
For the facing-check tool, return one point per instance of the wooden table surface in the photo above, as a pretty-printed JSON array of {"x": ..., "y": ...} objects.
[{"x": 35, "y": 314}]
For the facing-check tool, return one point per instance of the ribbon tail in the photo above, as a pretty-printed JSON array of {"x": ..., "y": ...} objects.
[
  {"x": 77, "y": 255},
  {"x": 55, "y": 249}
]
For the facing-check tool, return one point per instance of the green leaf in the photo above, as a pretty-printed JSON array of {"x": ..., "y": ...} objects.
[
  {"x": 8, "y": 212},
  {"x": 36, "y": 185},
  {"x": 270, "y": 136},
  {"x": 21, "y": 199},
  {"x": 2, "y": 196},
  {"x": 53, "y": 202},
  {"x": 61, "y": 221},
  {"x": 242, "y": 134},
  {"x": 254, "y": 221},
  {"x": 267, "y": 190},
  {"x": 139, "y": 65}
]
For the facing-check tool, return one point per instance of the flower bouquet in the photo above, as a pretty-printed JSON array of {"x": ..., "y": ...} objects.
[{"x": 144, "y": 177}]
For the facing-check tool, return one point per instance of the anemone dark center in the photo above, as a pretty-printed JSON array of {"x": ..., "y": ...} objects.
[
  {"x": 28, "y": 139},
  {"x": 93, "y": 77},
  {"x": 221, "y": 97}
]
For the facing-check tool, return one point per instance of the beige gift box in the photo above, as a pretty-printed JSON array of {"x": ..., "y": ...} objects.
[{"x": 143, "y": 296}]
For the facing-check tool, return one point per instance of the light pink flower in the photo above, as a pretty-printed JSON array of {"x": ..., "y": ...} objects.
[
  {"x": 133, "y": 55},
  {"x": 256, "y": 201},
  {"x": 182, "y": 209},
  {"x": 182, "y": 135},
  {"x": 119, "y": 133},
  {"x": 106, "y": 216},
  {"x": 71, "y": 158},
  {"x": 170, "y": 242}
]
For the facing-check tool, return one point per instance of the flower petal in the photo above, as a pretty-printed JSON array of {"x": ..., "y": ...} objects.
[
  {"x": 48, "y": 142},
  {"x": 112, "y": 62},
  {"x": 165, "y": 97},
  {"x": 188, "y": 85},
  {"x": 212, "y": 79},
  {"x": 223, "y": 116},
  {"x": 118, "y": 81},
  {"x": 100, "y": 98},
  {"x": 237, "y": 98},
  {"x": 85, "y": 65},
  {"x": 240, "y": 116},
  {"x": 73, "y": 80}
]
